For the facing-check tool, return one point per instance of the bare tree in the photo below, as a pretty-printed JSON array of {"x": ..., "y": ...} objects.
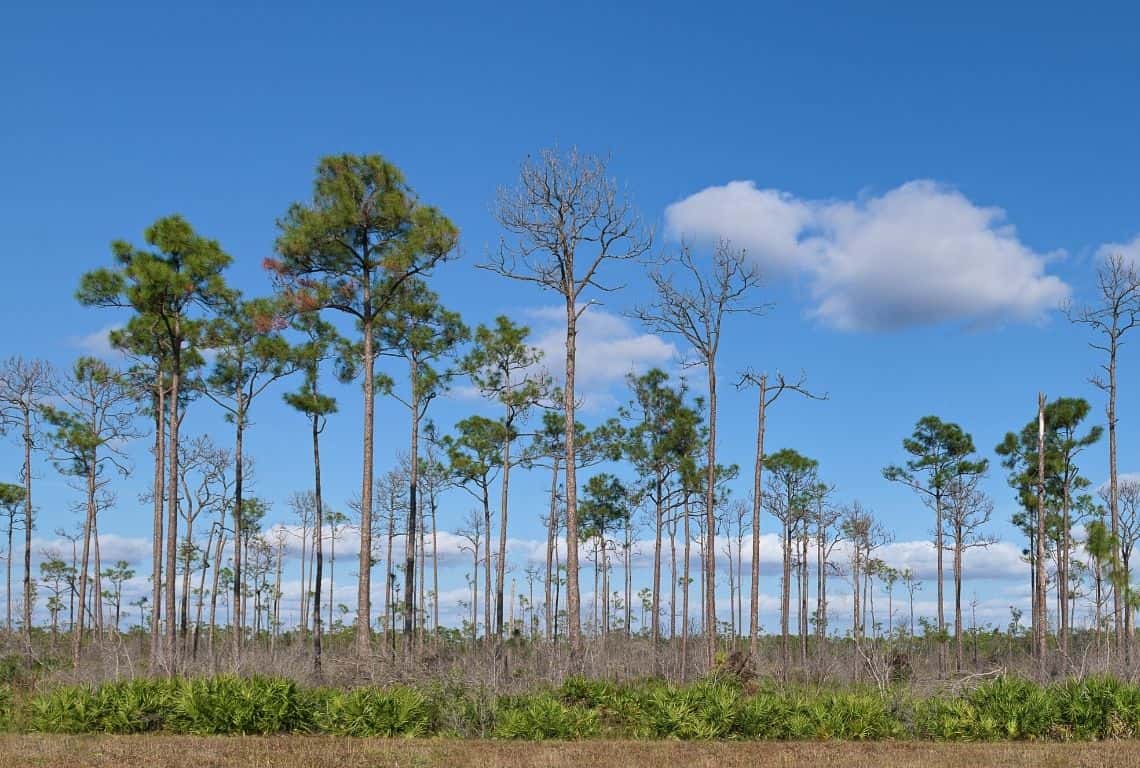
[
  {"x": 968, "y": 510},
  {"x": 1128, "y": 496},
  {"x": 24, "y": 386},
  {"x": 768, "y": 394},
  {"x": 864, "y": 535},
  {"x": 93, "y": 421},
  {"x": 567, "y": 218},
  {"x": 694, "y": 307},
  {"x": 1116, "y": 312}
]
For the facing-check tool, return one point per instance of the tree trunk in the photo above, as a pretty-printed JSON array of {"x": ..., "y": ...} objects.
[
  {"x": 958, "y": 598},
  {"x": 219, "y": 547},
  {"x": 551, "y": 543},
  {"x": 88, "y": 523},
  {"x": 318, "y": 546},
  {"x": 175, "y": 420},
  {"x": 201, "y": 593},
  {"x": 685, "y": 593},
  {"x": 941, "y": 607},
  {"x": 364, "y": 584},
  {"x": 785, "y": 594},
  {"x": 156, "y": 545},
  {"x": 1114, "y": 497},
  {"x": 488, "y": 617},
  {"x": 655, "y": 618},
  {"x": 1039, "y": 628},
  {"x": 501, "y": 569},
  {"x": 413, "y": 489},
  {"x": 757, "y": 505},
  {"x": 29, "y": 524},
  {"x": 8, "y": 567},
  {"x": 239, "y": 476},
  {"x": 710, "y": 523},
  {"x": 573, "y": 623},
  {"x": 434, "y": 568}
]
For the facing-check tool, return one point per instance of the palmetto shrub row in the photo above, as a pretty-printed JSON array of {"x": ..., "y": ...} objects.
[{"x": 1003, "y": 709}]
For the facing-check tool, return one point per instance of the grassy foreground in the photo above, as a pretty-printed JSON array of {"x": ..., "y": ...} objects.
[{"x": 40, "y": 751}]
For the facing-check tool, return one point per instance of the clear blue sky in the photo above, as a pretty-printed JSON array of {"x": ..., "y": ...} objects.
[{"x": 114, "y": 114}]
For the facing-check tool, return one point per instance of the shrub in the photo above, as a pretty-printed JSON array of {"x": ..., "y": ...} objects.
[
  {"x": 397, "y": 711},
  {"x": 1097, "y": 708},
  {"x": 69, "y": 709},
  {"x": 542, "y": 717},
  {"x": 706, "y": 710},
  {"x": 233, "y": 705}
]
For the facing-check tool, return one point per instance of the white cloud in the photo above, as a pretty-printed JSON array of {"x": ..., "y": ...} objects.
[
  {"x": 98, "y": 343},
  {"x": 1130, "y": 250},
  {"x": 608, "y": 347},
  {"x": 919, "y": 254}
]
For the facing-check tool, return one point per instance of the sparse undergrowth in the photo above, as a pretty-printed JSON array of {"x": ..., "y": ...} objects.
[{"x": 1003, "y": 709}]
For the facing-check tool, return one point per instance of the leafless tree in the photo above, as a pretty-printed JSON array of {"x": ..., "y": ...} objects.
[
  {"x": 968, "y": 510},
  {"x": 693, "y": 305},
  {"x": 566, "y": 218},
  {"x": 1116, "y": 312},
  {"x": 1128, "y": 497},
  {"x": 92, "y": 416},
  {"x": 864, "y": 535},
  {"x": 24, "y": 386},
  {"x": 768, "y": 393}
]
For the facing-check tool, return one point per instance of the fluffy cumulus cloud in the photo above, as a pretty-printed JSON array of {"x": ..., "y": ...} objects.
[{"x": 919, "y": 254}]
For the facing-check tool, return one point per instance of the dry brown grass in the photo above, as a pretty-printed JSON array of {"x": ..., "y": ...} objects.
[{"x": 313, "y": 751}]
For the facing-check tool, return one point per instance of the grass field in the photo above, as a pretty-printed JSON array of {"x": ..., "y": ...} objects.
[{"x": 314, "y": 751}]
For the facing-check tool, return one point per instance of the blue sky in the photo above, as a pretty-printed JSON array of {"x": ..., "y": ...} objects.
[{"x": 1018, "y": 122}]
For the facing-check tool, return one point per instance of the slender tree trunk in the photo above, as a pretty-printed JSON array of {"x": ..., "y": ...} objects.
[
  {"x": 941, "y": 602},
  {"x": 97, "y": 576},
  {"x": 332, "y": 570},
  {"x": 685, "y": 593},
  {"x": 785, "y": 594},
  {"x": 421, "y": 613},
  {"x": 1039, "y": 627},
  {"x": 364, "y": 587},
  {"x": 175, "y": 420},
  {"x": 958, "y": 598},
  {"x": 1114, "y": 496},
  {"x": 413, "y": 511},
  {"x": 184, "y": 602},
  {"x": 8, "y": 567},
  {"x": 658, "y": 521},
  {"x": 201, "y": 592},
  {"x": 673, "y": 578},
  {"x": 239, "y": 530},
  {"x": 757, "y": 505},
  {"x": 803, "y": 589},
  {"x": 318, "y": 546},
  {"x": 710, "y": 522},
  {"x": 488, "y": 616},
  {"x": 573, "y": 625},
  {"x": 219, "y": 547},
  {"x": 29, "y": 526},
  {"x": 303, "y": 612},
  {"x": 501, "y": 569},
  {"x": 1063, "y": 571},
  {"x": 389, "y": 570},
  {"x": 156, "y": 546},
  {"x": 551, "y": 543},
  {"x": 88, "y": 523},
  {"x": 434, "y": 568}
]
